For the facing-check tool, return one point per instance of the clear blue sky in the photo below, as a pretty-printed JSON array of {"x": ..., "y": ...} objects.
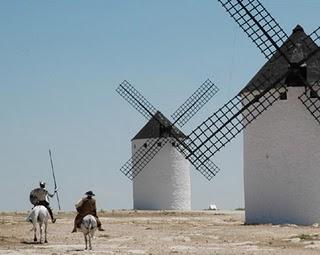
[{"x": 60, "y": 62}]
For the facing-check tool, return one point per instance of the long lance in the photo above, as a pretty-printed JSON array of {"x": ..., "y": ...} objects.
[{"x": 54, "y": 179}]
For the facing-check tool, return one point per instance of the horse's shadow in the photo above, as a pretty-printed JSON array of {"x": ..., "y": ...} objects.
[
  {"x": 73, "y": 250},
  {"x": 31, "y": 242}
]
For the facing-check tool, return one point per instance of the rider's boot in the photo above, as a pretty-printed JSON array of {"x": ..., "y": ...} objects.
[{"x": 51, "y": 215}]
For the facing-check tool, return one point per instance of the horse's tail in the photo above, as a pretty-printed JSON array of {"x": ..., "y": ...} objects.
[
  {"x": 32, "y": 217},
  {"x": 29, "y": 219}
]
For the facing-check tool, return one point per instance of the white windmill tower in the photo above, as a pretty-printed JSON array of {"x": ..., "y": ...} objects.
[
  {"x": 164, "y": 182},
  {"x": 160, "y": 173},
  {"x": 282, "y": 145}
]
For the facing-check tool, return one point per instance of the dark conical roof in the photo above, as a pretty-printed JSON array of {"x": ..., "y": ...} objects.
[
  {"x": 278, "y": 65},
  {"x": 298, "y": 28},
  {"x": 153, "y": 128}
]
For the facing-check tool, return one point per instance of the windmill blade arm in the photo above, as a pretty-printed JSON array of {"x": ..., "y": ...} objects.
[
  {"x": 136, "y": 99},
  {"x": 201, "y": 163},
  {"x": 258, "y": 24},
  {"x": 220, "y": 128},
  {"x": 194, "y": 103},
  {"x": 204, "y": 165},
  {"x": 142, "y": 157},
  {"x": 310, "y": 97},
  {"x": 315, "y": 36},
  {"x": 145, "y": 154},
  {"x": 152, "y": 146},
  {"x": 311, "y": 100}
]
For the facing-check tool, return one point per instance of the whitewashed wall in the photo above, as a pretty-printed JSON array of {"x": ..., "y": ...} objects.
[
  {"x": 282, "y": 164},
  {"x": 164, "y": 184}
]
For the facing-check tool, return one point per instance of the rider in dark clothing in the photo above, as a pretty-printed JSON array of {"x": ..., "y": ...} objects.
[{"x": 85, "y": 206}]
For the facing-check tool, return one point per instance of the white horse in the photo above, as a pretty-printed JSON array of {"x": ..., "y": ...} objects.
[
  {"x": 40, "y": 215},
  {"x": 88, "y": 227}
]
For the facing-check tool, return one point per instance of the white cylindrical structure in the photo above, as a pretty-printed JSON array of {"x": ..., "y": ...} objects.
[
  {"x": 164, "y": 184},
  {"x": 282, "y": 145},
  {"x": 282, "y": 164}
]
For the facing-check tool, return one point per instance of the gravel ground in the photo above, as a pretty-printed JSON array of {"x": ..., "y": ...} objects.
[{"x": 161, "y": 232}]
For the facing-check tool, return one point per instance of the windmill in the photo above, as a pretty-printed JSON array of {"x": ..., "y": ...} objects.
[
  {"x": 160, "y": 173},
  {"x": 282, "y": 145}
]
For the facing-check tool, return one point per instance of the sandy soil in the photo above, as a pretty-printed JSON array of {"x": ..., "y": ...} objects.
[{"x": 161, "y": 232}]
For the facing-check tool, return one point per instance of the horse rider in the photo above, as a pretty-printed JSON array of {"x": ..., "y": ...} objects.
[
  {"x": 43, "y": 195},
  {"x": 85, "y": 206}
]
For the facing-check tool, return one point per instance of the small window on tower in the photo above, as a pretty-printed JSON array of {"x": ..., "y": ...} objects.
[
  {"x": 173, "y": 144},
  {"x": 283, "y": 96},
  {"x": 159, "y": 144},
  {"x": 145, "y": 145},
  {"x": 313, "y": 94}
]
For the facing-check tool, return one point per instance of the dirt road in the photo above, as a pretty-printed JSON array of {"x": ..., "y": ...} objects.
[{"x": 162, "y": 232}]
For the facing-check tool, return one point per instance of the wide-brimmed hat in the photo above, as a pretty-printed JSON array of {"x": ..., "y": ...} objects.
[{"x": 89, "y": 193}]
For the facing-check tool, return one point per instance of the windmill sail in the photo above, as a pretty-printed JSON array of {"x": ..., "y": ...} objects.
[
  {"x": 220, "y": 128},
  {"x": 142, "y": 157},
  {"x": 184, "y": 113},
  {"x": 136, "y": 99},
  {"x": 311, "y": 100},
  {"x": 194, "y": 103},
  {"x": 273, "y": 42},
  {"x": 264, "y": 89},
  {"x": 258, "y": 24}
]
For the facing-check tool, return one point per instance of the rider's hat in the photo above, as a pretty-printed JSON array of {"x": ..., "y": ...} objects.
[
  {"x": 90, "y": 193},
  {"x": 42, "y": 184}
]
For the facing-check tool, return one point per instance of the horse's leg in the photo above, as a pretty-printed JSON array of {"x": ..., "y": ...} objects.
[
  {"x": 41, "y": 228},
  {"x": 35, "y": 232},
  {"x": 90, "y": 247},
  {"x": 86, "y": 241},
  {"x": 45, "y": 231}
]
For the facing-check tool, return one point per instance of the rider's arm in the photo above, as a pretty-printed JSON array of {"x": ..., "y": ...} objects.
[
  {"x": 94, "y": 209},
  {"x": 51, "y": 195},
  {"x": 79, "y": 204}
]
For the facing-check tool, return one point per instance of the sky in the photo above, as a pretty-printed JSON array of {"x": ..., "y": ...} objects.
[{"x": 61, "y": 61}]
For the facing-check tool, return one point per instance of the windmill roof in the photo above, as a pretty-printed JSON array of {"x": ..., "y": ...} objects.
[
  {"x": 276, "y": 65},
  {"x": 155, "y": 128}
]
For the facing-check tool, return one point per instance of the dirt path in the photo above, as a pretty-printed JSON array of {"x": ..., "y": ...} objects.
[{"x": 129, "y": 232}]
